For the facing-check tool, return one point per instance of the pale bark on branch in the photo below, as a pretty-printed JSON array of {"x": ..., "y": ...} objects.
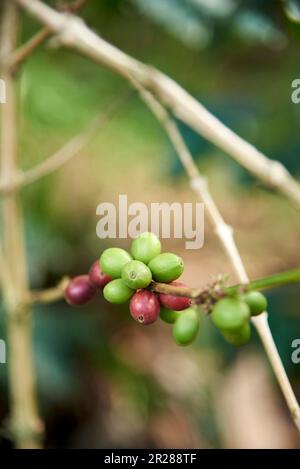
[
  {"x": 24, "y": 51},
  {"x": 66, "y": 153},
  {"x": 73, "y": 33},
  {"x": 226, "y": 236},
  {"x": 25, "y": 424}
]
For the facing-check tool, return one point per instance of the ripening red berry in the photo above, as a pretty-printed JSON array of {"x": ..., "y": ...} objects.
[
  {"x": 176, "y": 303},
  {"x": 80, "y": 291},
  {"x": 144, "y": 307},
  {"x": 97, "y": 277}
]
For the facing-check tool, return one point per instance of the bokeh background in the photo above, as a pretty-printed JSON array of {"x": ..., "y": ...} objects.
[{"x": 103, "y": 380}]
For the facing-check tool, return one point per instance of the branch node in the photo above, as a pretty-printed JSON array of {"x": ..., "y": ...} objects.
[
  {"x": 67, "y": 30},
  {"x": 199, "y": 183},
  {"x": 224, "y": 231},
  {"x": 277, "y": 173}
]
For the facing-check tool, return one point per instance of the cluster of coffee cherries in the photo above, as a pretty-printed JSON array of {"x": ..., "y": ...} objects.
[
  {"x": 127, "y": 277},
  {"x": 124, "y": 276},
  {"x": 232, "y": 315}
]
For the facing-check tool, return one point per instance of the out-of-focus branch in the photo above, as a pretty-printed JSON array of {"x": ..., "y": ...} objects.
[
  {"x": 24, "y": 51},
  {"x": 21, "y": 54},
  {"x": 67, "y": 152},
  {"x": 4, "y": 273},
  {"x": 73, "y": 33},
  {"x": 225, "y": 234},
  {"x": 25, "y": 424},
  {"x": 198, "y": 182},
  {"x": 50, "y": 295},
  {"x": 216, "y": 290},
  {"x": 292, "y": 10}
]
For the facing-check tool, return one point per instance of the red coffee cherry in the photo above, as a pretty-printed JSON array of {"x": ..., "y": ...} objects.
[
  {"x": 80, "y": 291},
  {"x": 176, "y": 303},
  {"x": 144, "y": 307},
  {"x": 97, "y": 277}
]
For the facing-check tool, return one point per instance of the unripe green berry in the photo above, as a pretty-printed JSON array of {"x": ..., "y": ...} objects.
[
  {"x": 169, "y": 315},
  {"x": 117, "y": 292},
  {"x": 230, "y": 314},
  {"x": 238, "y": 337},
  {"x": 166, "y": 267},
  {"x": 113, "y": 260},
  {"x": 186, "y": 327},
  {"x": 136, "y": 274},
  {"x": 145, "y": 247},
  {"x": 256, "y": 301}
]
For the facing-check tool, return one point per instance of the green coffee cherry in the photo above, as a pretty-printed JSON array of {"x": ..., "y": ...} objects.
[
  {"x": 240, "y": 336},
  {"x": 168, "y": 315},
  {"x": 230, "y": 314},
  {"x": 136, "y": 274},
  {"x": 117, "y": 292},
  {"x": 256, "y": 301},
  {"x": 186, "y": 327},
  {"x": 166, "y": 267},
  {"x": 113, "y": 260},
  {"x": 145, "y": 247}
]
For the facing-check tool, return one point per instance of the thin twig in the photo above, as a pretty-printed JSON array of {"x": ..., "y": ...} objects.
[
  {"x": 265, "y": 283},
  {"x": 225, "y": 234},
  {"x": 197, "y": 182},
  {"x": 50, "y": 295},
  {"x": 24, "y": 51},
  {"x": 21, "y": 54},
  {"x": 56, "y": 293},
  {"x": 25, "y": 424},
  {"x": 67, "y": 152},
  {"x": 4, "y": 271},
  {"x": 269, "y": 282},
  {"x": 73, "y": 33}
]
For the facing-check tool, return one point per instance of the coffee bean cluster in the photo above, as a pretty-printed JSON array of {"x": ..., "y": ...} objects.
[
  {"x": 126, "y": 277},
  {"x": 232, "y": 315}
]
